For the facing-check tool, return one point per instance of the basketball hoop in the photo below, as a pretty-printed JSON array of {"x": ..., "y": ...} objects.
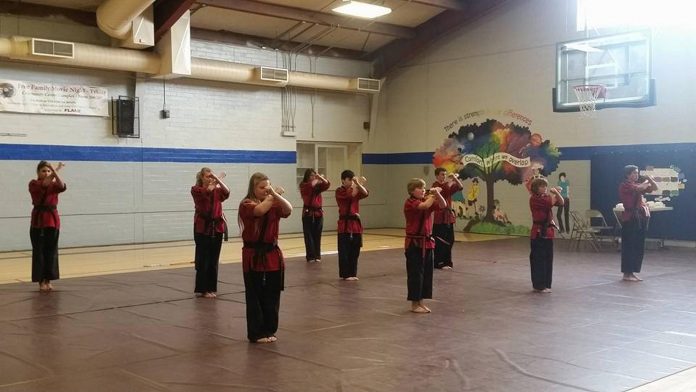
[{"x": 588, "y": 95}]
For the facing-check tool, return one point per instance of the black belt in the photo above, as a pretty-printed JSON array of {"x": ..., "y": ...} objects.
[
  {"x": 306, "y": 210},
  {"x": 422, "y": 238},
  {"x": 263, "y": 246},
  {"x": 209, "y": 219},
  {"x": 211, "y": 224},
  {"x": 45, "y": 208}
]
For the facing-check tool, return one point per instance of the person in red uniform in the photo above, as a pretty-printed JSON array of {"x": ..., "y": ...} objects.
[
  {"x": 634, "y": 221},
  {"x": 209, "y": 225},
  {"x": 350, "y": 228},
  {"x": 262, "y": 259},
  {"x": 419, "y": 243},
  {"x": 541, "y": 203},
  {"x": 311, "y": 187},
  {"x": 444, "y": 219},
  {"x": 45, "y": 224}
]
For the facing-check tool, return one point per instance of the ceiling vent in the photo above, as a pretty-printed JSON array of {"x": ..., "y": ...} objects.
[
  {"x": 50, "y": 48},
  {"x": 268, "y": 74},
  {"x": 368, "y": 85}
]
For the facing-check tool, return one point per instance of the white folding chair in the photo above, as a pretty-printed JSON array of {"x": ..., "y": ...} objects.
[
  {"x": 597, "y": 223},
  {"x": 582, "y": 232}
]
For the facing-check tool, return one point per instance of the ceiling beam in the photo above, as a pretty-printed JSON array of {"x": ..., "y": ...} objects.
[
  {"x": 42, "y": 11},
  {"x": 244, "y": 39},
  {"x": 390, "y": 56},
  {"x": 457, "y": 5},
  {"x": 309, "y": 16},
  {"x": 167, "y": 12}
]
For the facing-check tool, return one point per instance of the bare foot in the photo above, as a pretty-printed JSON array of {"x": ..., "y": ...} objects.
[
  {"x": 208, "y": 295},
  {"x": 272, "y": 339},
  {"x": 427, "y": 309},
  {"x": 546, "y": 290},
  {"x": 447, "y": 267},
  {"x": 352, "y": 278},
  {"x": 538, "y": 290},
  {"x": 318, "y": 260},
  {"x": 417, "y": 307},
  {"x": 262, "y": 340},
  {"x": 43, "y": 286},
  {"x": 630, "y": 278},
  {"x": 638, "y": 279},
  {"x": 49, "y": 285}
]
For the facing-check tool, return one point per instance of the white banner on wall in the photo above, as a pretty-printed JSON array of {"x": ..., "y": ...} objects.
[
  {"x": 49, "y": 98},
  {"x": 472, "y": 159}
]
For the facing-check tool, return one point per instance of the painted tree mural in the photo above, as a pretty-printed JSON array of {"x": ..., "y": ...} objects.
[{"x": 493, "y": 151}]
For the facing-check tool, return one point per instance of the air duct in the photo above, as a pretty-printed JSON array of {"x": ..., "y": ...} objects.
[
  {"x": 127, "y": 21},
  {"x": 116, "y": 59},
  {"x": 85, "y": 56},
  {"x": 318, "y": 81},
  {"x": 115, "y": 17}
]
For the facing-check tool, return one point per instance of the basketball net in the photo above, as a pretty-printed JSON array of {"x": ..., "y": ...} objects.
[{"x": 588, "y": 95}]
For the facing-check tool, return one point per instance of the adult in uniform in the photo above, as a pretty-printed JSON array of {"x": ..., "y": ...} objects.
[
  {"x": 634, "y": 221},
  {"x": 541, "y": 203}
]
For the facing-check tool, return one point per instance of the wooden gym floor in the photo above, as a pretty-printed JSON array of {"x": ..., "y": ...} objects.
[
  {"x": 104, "y": 260},
  {"x": 123, "y": 318}
]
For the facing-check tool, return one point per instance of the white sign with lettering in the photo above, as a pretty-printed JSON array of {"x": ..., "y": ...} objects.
[{"x": 48, "y": 98}]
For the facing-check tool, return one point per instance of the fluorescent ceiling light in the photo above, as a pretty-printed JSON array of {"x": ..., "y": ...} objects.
[{"x": 362, "y": 10}]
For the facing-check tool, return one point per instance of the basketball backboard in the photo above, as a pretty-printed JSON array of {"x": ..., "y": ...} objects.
[{"x": 620, "y": 62}]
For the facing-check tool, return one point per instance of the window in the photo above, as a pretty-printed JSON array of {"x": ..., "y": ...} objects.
[{"x": 328, "y": 159}]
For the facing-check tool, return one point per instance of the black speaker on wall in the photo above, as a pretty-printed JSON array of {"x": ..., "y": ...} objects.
[{"x": 125, "y": 119}]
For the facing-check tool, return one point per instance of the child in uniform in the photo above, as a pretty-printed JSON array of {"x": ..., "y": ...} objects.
[
  {"x": 350, "y": 229},
  {"x": 419, "y": 243}
]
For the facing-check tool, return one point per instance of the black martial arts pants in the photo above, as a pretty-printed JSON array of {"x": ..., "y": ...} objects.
[
  {"x": 207, "y": 261},
  {"x": 348, "y": 252},
  {"x": 419, "y": 272}
]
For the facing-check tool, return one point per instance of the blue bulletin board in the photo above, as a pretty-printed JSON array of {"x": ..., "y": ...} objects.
[{"x": 607, "y": 173}]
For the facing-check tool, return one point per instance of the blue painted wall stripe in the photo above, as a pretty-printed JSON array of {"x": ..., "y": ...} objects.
[
  {"x": 36, "y": 152},
  {"x": 567, "y": 153}
]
